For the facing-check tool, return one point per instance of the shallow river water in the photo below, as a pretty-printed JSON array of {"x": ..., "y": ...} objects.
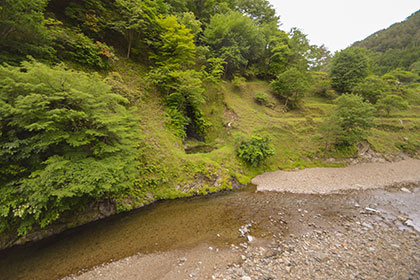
[{"x": 186, "y": 223}]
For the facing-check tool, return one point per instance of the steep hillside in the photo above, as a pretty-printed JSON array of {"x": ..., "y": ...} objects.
[
  {"x": 106, "y": 106},
  {"x": 396, "y": 46}
]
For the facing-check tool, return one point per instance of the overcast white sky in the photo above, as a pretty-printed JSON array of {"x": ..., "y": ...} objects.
[{"x": 337, "y": 23}]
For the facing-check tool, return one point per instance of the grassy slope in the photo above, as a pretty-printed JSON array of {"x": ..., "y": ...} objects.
[{"x": 169, "y": 172}]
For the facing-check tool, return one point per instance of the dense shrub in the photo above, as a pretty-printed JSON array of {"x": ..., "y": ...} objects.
[
  {"x": 76, "y": 47},
  {"x": 255, "y": 150},
  {"x": 261, "y": 98},
  {"x": 65, "y": 141}
]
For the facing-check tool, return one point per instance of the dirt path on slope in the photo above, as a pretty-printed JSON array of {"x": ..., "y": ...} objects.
[{"x": 330, "y": 180}]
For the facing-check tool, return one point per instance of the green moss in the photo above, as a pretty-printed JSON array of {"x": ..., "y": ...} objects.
[{"x": 242, "y": 179}]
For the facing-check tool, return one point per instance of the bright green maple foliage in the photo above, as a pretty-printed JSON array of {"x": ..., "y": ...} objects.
[{"x": 65, "y": 141}]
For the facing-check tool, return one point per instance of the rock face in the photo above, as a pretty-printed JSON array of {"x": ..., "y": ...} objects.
[{"x": 329, "y": 180}]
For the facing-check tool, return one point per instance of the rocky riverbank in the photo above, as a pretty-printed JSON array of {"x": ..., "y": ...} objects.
[
  {"x": 366, "y": 249},
  {"x": 357, "y": 235}
]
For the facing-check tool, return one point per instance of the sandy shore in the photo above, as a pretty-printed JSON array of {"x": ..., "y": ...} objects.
[{"x": 330, "y": 180}]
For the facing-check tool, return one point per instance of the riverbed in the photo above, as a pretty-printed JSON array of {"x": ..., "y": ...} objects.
[{"x": 171, "y": 239}]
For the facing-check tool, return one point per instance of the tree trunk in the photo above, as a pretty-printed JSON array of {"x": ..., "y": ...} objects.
[
  {"x": 130, "y": 40},
  {"x": 325, "y": 149},
  {"x": 130, "y": 36}
]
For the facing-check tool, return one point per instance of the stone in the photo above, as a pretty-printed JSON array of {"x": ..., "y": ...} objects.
[{"x": 405, "y": 190}]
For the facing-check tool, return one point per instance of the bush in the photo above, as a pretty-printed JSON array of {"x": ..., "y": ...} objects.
[
  {"x": 261, "y": 98},
  {"x": 65, "y": 141},
  {"x": 77, "y": 47},
  {"x": 239, "y": 83},
  {"x": 255, "y": 150}
]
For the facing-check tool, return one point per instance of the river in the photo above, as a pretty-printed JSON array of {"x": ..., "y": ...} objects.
[{"x": 213, "y": 220}]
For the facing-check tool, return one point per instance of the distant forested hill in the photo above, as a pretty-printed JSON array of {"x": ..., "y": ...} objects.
[{"x": 396, "y": 46}]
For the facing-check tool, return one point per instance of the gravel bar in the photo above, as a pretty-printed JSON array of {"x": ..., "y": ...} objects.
[{"x": 330, "y": 180}]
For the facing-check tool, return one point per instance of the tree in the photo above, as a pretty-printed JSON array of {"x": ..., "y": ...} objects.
[
  {"x": 351, "y": 120},
  {"x": 174, "y": 45},
  {"x": 134, "y": 19},
  {"x": 330, "y": 130},
  {"x": 260, "y": 11},
  {"x": 401, "y": 76},
  {"x": 189, "y": 20},
  {"x": 319, "y": 58},
  {"x": 22, "y": 30},
  {"x": 348, "y": 68},
  {"x": 372, "y": 88},
  {"x": 300, "y": 49},
  {"x": 279, "y": 53},
  {"x": 235, "y": 38},
  {"x": 65, "y": 141},
  {"x": 291, "y": 86},
  {"x": 392, "y": 102}
]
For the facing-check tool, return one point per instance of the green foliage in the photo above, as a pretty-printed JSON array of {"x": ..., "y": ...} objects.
[
  {"x": 174, "y": 45},
  {"x": 319, "y": 58},
  {"x": 331, "y": 131},
  {"x": 205, "y": 9},
  {"x": 236, "y": 39},
  {"x": 255, "y": 151},
  {"x": 372, "y": 88},
  {"x": 190, "y": 21},
  {"x": 92, "y": 17},
  {"x": 410, "y": 147},
  {"x": 184, "y": 95},
  {"x": 135, "y": 20},
  {"x": 300, "y": 49},
  {"x": 351, "y": 121},
  {"x": 348, "y": 68},
  {"x": 321, "y": 85},
  {"x": 395, "y": 47},
  {"x": 261, "y": 98},
  {"x": 76, "y": 47},
  {"x": 279, "y": 53},
  {"x": 214, "y": 70},
  {"x": 392, "y": 102},
  {"x": 291, "y": 86},
  {"x": 401, "y": 76},
  {"x": 65, "y": 141},
  {"x": 239, "y": 82},
  {"x": 261, "y": 11},
  {"x": 22, "y": 30}
]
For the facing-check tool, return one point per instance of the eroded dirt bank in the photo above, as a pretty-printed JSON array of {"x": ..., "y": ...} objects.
[{"x": 328, "y": 180}]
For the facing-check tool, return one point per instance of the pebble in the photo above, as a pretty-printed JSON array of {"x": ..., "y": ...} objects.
[{"x": 356, "y": 252}]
